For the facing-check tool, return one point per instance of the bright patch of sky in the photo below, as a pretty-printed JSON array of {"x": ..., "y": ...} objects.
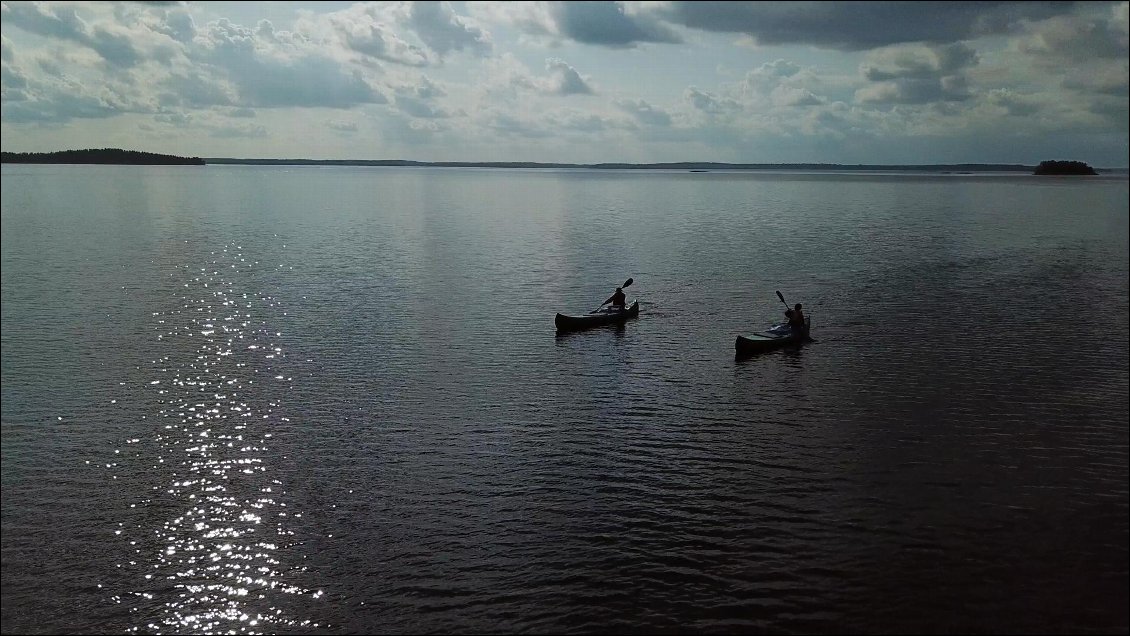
[{"x": 579, "y": 82}]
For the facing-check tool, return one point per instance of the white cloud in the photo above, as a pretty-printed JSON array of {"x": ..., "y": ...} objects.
[
  {"x": 368, "y": 30},
  {"x": 422, "y": 100},
  {"x": 644, "y": 112},
  {"x": 565, "y": 80},
  {"x": 251, "y": 131},
  {"x": 273, "y": 69},
  {"x": 789, "y": 96},
  {"x": 444, "y": 32},
  {"x": 179, "y": 120},
  {"x": 709, "y": 103},
  {"x": 583, "y": 122},
  {"x": 506, "y": 76},
  {"x": 63, "y": 22},
  {"x": 342, "y": 126},
  {"x": 513, "y": 125}
]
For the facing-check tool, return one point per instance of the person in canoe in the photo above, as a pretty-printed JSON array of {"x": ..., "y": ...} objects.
[
  {"x": 618, "y": 299},
  {"x": 796, "y": 318},
  {"x": 784, "y": 328}
]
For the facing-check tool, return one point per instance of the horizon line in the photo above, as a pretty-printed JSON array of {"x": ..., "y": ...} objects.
[
  {"x": 629, "y": 165},
  {"x": 559, "y": 164}
]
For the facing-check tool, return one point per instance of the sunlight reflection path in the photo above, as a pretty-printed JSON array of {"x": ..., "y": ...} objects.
[{"x": 213, "y": 540}]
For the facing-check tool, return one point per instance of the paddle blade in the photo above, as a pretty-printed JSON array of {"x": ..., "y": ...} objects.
[
  {"x": 781, "y": 297},
  {"x": 627, "y": 282}
]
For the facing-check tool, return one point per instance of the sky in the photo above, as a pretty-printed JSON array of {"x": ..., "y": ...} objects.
[{"x": 573, "y": 82}]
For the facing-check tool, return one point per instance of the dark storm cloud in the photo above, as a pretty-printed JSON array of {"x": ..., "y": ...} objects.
[
  {"x": 941, "y": 61},
  {"x": 916, "y": 74},
  {"x": 1078, "y": 40},
  {"x": 855, "y": 26},
  {"x": 606, "y": 24},
  {"x": 1015, "y": 105},
  {"x": 916, "y": 91}
]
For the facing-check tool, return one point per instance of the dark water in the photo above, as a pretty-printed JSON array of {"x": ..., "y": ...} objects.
[{"x": 331, "y": 400}]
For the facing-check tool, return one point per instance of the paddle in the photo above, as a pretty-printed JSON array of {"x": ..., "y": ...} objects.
[{"x": 627, "y": 283}]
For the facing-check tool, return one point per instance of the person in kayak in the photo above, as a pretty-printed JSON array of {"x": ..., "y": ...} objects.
[
  {"x": 617, "y": 299},
  {"x": 796, "y": 319}
]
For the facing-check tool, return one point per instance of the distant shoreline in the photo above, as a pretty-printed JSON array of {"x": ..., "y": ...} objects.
[
  {"x": 113, "y": 156},
  {"x": 681, "y": 165}
]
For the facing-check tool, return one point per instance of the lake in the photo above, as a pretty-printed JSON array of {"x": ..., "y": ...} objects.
[{"x": 332, "y": 400}]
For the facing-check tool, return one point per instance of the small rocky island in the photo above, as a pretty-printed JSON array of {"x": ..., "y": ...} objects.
[
  {"x": 1064, "y": 168},
  {"x": 102, "y": 155}
]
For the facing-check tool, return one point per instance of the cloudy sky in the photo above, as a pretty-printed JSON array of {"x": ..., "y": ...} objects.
[{"x": 579, "y": 82}]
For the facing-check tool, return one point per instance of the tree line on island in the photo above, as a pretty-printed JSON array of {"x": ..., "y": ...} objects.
[
  {"x": 101, "y": 156},
  {"x": 134, "y": 157},
  {"x": 1064, "y": 167}
]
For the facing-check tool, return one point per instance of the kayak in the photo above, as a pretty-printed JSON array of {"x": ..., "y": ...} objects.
[
  {"x": 607, "y": 316},
  {"x": 773, "y": 338}
]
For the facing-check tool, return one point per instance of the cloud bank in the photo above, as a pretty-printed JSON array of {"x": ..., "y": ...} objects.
[{"x": 589, "y": 81}]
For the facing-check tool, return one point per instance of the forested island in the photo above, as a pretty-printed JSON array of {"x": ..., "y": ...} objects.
[
  {"x": 1064, "y": 168},
  {"x": 101, "y": 156}
]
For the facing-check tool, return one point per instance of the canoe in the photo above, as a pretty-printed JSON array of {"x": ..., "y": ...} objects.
[
  {"x": 775, "y": 338},
  {"x": 606, "y": 316}
]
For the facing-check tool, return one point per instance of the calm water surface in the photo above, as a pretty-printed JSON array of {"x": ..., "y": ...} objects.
[{"x": 270, "y": 399}]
